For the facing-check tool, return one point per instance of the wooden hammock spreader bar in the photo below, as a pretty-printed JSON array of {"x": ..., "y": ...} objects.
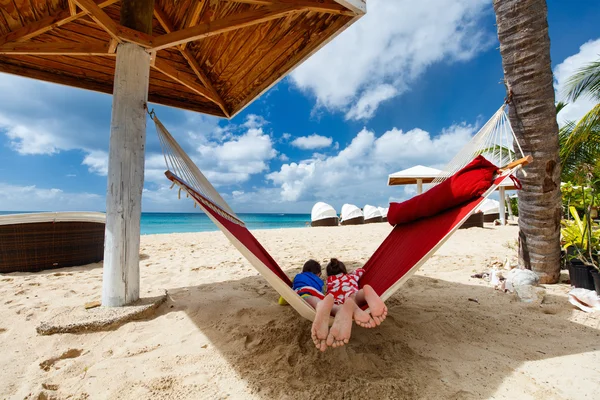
[
  {"x": 197, "y": 196},
  {"x": 520, "y": 162}
]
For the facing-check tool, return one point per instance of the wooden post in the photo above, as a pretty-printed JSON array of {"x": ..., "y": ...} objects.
[
  {"x": 419, "y": 186},
  {"x": 502, "y": 205},
  {"x": 121, "y": 274}
]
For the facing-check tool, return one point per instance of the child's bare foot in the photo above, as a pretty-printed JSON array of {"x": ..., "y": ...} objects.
[
  {"x": 320, "y": 326},
  {"x": 376, "y": 305},
  {"x": 340, "y": 331},
  {"x": 363, "y": 318}
]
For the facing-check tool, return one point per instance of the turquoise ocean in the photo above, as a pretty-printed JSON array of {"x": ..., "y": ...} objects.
[
  {"x": 153, "y": 223},
  {"x": 198, "y": 222}
]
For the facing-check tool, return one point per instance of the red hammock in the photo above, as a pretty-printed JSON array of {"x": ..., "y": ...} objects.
[{"x": 406, "y": 248}]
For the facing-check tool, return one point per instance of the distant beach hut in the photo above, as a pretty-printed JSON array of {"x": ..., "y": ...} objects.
[
  {"x": 490, "y": 209},
  {"x": 384, "y": 212},
  {"x": 416, "y": 175},
  {"x": 352, "y": 215},
  {"x": 323, "y": 214},
  {"x": 372, "y": 214}
]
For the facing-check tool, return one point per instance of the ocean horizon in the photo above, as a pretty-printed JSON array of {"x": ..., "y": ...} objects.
[{"x": 162, "y": 222}]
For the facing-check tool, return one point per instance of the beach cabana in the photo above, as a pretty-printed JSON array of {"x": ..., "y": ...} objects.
[
  {"x": 372, "y": 214},
  {"x": 323, "y": 214},
  {"x": 490, "y": 209},
  {"x": 352, "y": 215},
  {"x": 213, "y": 57},
  {"x": 417, "y": 175},
  {"x": 38, "y": 241},
  {"x": 383, "y": 212}
]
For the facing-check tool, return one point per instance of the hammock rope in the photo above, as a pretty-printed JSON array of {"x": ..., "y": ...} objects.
[
  {"x": 495, "y": 141},
  {"x": 400, "y": 255}
]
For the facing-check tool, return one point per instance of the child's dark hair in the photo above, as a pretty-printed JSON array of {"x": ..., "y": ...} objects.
[
  {"x": 335, "y": 267},
  {"x": 312, "y": 266}
]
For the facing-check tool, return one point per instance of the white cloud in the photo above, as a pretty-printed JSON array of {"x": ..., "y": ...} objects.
[
  {"x": 241, "y": 156},
  {"x": 366, "y": 106},
  {"x": 358, "y": 173},
  {"x": 42, "y": 118},
  {"x": 97, "y": 162},
  {"x": 32, "y": 138},
  {"x": 33, "y": 198},
  {"x": 233, "y": 158},
  {"x": 398, "y": 40},
  {"x": 254, "y": 121},
  {"x": 311, "y": 142},
  {"x": 588, "y": 52}
]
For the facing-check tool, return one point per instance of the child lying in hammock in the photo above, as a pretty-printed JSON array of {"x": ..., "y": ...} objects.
[
  {"x": 343, "y": 287},
  {"x": 342, "y": 301}
]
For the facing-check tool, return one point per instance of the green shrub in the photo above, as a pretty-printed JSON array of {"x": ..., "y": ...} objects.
[{"x": 514, "y": 206}]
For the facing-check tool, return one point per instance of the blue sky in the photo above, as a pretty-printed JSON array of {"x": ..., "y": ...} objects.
[{"x": 407, "y": 84}]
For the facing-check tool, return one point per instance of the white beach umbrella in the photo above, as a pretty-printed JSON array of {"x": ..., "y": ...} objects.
[
  {"x": 416, "y": 175},
  {"x": 383, "y": 211}
]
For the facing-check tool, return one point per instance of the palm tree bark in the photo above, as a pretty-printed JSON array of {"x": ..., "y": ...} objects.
[{"x": 525, "y": 49}]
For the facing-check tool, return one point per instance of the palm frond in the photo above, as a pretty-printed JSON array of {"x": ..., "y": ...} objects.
[
  {"x": 560, "y": 105},
  {"x": 585, "y": 82}
]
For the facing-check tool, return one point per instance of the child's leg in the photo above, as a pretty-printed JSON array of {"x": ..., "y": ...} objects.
[
  {"x": 377, "y": 307},
  {"x": 320, "y": 326},
  {"x": 340, "y": 331}
]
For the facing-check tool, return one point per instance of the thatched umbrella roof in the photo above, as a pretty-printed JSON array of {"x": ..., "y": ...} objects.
[{"x": 211, "y": 56}]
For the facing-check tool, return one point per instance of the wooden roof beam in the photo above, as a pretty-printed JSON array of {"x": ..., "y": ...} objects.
[
  {"x": 164, "y": 67},
  {"x": 72, "y": 8},
  {"x": 226, "y": 24},
  {"x": 45, "y": 24},
  {"x": 100, "y": 17},
  {"x": 55, "y": 49},
  {"x": 194, "y": 16},
  {"x": 309, "y": 5},
  {"x": 118, "y": 32},
  {"x": 163, "y": 19}
]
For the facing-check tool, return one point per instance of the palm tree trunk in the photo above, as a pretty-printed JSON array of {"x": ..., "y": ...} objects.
[{"x": 525, "y": 50}]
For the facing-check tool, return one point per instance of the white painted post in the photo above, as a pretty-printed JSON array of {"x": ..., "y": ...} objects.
[
  {"x": 502, "y": 205},
  {"x": 121, "y": 275},
  {"x": 419, "y": 186}
]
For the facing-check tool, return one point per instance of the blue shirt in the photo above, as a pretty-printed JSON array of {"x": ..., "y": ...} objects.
[{"x": 308, "y": 279}]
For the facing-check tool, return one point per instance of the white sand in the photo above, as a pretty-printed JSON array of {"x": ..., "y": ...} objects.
[{"x": 221, "y": 333}]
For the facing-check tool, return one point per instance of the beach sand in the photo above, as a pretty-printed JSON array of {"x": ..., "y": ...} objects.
[{"x": 221, "y": 333}]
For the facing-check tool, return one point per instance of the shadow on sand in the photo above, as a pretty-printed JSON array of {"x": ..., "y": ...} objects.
[{"x": 427, "y": 346}]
